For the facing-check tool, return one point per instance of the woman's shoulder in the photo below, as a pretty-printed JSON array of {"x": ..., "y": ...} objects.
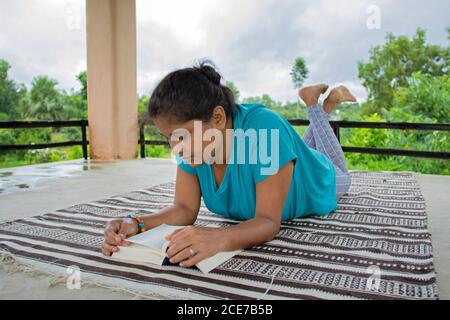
[
  {"x": 257, "y": 115},
  {"x": 254, "y": 108}
]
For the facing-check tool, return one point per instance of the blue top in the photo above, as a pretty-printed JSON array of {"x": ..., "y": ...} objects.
[{"x": 313, "y": 185}]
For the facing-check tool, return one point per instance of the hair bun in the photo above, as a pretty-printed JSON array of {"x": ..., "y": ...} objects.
[{"x": 208, "y": 69}]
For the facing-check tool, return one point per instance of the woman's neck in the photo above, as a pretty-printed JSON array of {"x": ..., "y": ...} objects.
[{"x": 226, "y": 144}]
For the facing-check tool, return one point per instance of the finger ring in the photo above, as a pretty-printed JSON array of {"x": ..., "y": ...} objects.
[{"x": 191, "y": 251}]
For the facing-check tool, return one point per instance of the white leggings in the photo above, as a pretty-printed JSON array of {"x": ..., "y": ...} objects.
[{"x": 321, "y": 137}]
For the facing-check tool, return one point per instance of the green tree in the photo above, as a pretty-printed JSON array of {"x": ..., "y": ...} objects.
[
  {"x": 234, "y": 89},
  {"x": 142, "y": 109},
  {"x": 82, "y": 78},
  {"x": 45, "y": 99},
  {"x": 74, "y": 107},
  {"x": 299, "y": 72},
  {"x": 9, "y": 94},
  {"x": 75, "y": 103},
  {"x": 392, "y": 64},
  {"x": 142, "y": 103},
  {"x": 425, "y": 99},
  {"x": 265, "y": 99}
]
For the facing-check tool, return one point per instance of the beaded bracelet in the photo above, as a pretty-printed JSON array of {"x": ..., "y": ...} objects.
[{"x": 139, "y": 220}]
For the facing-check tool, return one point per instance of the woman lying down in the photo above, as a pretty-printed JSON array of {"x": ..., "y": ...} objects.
[{"x": 246, "y": 161}]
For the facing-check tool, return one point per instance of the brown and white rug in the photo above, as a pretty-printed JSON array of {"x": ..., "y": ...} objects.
[{"x": 375, "y": 246}]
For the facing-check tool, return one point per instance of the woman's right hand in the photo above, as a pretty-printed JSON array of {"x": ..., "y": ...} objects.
[{"x": 116, "y": 232}]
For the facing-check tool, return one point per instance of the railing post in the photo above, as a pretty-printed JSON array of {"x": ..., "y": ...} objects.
[
  {"x": 84, "y": 139},
  {"x": 142, "y": 141}
]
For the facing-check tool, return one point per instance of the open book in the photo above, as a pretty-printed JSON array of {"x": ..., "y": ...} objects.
[{"x": 150, "y": 247}]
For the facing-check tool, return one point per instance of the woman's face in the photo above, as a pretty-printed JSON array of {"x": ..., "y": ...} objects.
[{"x": 195, "y": 140}]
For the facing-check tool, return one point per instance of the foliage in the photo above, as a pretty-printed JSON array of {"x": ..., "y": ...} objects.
[
  {"x": 391, "y": 65},
  {"x": 407, "y": 80},
  {"x": 299, "y": 72}
]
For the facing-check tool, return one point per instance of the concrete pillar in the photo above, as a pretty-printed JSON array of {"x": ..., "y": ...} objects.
[{"x": 111, "y": 78}]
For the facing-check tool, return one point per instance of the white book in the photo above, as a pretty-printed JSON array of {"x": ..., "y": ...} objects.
[{"x": 150, "y": 247}]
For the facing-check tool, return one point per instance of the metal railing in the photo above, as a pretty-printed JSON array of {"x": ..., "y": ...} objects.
[
  {"x": 337, "y": 125},
  {"x": 82, "y": 124}
]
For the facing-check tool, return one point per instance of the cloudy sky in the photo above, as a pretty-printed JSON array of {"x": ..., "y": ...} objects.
[{"x": 253, "y": 42}]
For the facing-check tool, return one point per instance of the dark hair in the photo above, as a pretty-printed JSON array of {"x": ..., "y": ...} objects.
[{"x": 191, "y": 93}]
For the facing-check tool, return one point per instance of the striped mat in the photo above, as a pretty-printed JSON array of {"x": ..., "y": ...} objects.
[{"x": 375, "y": 246}]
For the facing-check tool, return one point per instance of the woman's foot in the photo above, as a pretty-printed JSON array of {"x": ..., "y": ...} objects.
[
  {"x": 310, "y": 95},
  {"x": 337, "y": 95}
]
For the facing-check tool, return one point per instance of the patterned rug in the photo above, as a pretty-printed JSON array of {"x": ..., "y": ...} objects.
[{"x": 375, "y": 246}]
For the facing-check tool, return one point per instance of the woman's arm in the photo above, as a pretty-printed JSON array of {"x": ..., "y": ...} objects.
[
  {"x": 185, "y": 207},
  {"x": 183, "y": 211},
  {"x": 271, "y": 195}
]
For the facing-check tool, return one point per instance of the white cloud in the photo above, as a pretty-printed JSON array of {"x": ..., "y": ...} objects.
[
  {"x": 179, "y": 16},
  {"x": 254, "y": 42},
  {"x": 43, "y": 37}
]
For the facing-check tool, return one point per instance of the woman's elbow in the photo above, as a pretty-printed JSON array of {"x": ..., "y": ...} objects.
[{"x": 274, "y": 230}]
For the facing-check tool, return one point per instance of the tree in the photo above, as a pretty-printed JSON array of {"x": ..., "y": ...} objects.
[
  {"x": 82, "y": 78},
  {"x": 75, "y": 104},
  {"x": 234, "y": 89},
  {"x": 299, "y": 72},
  {"x": 425, "y": 99},
  {"x": 392, "y": 64},
  {"x": 265, "y": 99},
  {"x": 45, "y": 99},
  {"x": 10, "y": 94}
]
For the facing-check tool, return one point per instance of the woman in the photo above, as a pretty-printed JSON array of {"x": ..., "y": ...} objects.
[{"x": 302, "y": 177}]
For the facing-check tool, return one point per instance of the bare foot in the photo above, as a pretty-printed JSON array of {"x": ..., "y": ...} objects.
[
  {"x": 310, "y": 95},
  {"x": 337, "y": 95}
]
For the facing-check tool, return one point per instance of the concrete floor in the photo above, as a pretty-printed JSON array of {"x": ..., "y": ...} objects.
[{"x": 73, "y": 182}]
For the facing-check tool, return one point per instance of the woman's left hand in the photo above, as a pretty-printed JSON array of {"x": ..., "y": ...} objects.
[{"x": 204, "y": 242}]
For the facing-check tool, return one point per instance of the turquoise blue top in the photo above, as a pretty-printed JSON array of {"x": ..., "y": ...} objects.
[{"x": 313, "y": 185}]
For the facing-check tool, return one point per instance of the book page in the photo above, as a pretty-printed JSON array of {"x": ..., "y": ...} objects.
[
  {"x": 208, "y": 264},
  {"x": 154, "y": 238},
  {"x": 136, "y": 253}
]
